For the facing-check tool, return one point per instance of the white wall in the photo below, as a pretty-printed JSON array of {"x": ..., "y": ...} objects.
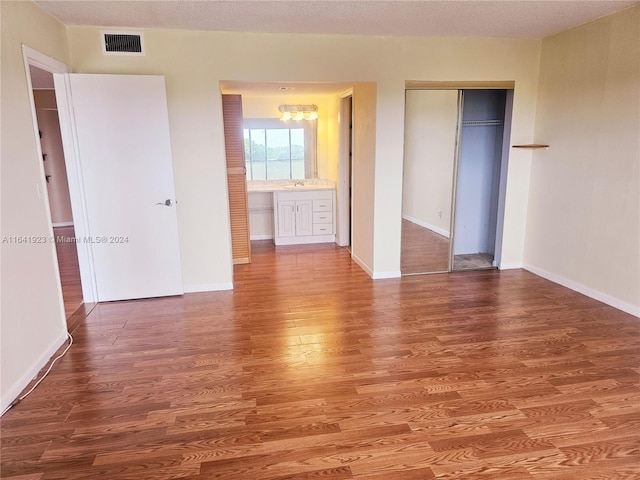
[
  {"x": 196, "y": 126},
  {"x": 32, "y": 322},
  {"x": 583, "y": 227},
  {"x": 333, "y": 137},
  {"x": 363, "y": 195}
]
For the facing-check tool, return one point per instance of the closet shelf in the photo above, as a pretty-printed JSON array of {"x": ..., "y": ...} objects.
[{"x": 531, "y": 145}]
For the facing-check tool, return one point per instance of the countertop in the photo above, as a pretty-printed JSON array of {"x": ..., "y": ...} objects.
[{"x": 288, "y": 185}]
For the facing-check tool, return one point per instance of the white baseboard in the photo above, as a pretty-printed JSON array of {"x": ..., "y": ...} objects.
[
  {"x": 588, "y": 291},
  {"x": 510, "y": 266},
  {"x": 14, "y": 391},
  {"x": 361, "y": 264},
  {"x": 63, "y": 224},
  {"x": 305, "y": 240},
  {"x": 207, "y": 287},
  {"x": 371, "y": 273},
  {"x": 433, "y": 228},
  {"x": 261, "y": 237},
  {"x": 383, "y": 275}
]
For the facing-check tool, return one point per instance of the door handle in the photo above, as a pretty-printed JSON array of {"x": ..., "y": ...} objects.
[{"x": 167, "y": 203}]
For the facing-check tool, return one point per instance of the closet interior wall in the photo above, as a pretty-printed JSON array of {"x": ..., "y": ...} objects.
[{"x": 478, "y": 178}]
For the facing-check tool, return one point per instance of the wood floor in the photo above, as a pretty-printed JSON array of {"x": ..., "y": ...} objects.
[
  {"x": 423, "y": 251},
  {"x": 309, "y": 369},
  {"x": 69, "y": 270}
]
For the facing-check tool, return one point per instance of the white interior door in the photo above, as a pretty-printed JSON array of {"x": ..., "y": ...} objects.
[{"x": 123, "y": 160}]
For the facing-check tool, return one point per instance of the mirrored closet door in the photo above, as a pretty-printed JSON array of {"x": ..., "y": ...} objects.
[
  {"x": 453, "y": 180},
  {"x": 431, "y": 125}
]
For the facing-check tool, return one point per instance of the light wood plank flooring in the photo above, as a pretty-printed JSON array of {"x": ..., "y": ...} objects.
[{"x": 309, "y": 369}]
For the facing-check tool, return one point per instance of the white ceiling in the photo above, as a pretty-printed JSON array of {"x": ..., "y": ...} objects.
[{"x": 468, "y": 18}]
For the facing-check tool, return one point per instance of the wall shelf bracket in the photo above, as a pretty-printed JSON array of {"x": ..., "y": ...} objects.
[{"x": 531, "y": 145}]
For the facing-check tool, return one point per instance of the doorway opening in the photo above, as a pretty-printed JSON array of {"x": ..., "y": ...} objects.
[
  {"x": 316, "y": 151},
  {"x": 477, "y": 179},
  {"x": 54, "y": 167},
  {"x": 39, "y": 70}
]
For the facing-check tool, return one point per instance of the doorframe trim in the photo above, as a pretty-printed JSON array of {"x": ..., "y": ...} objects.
[
  {"x": 504, "y": 170},
  {"x": 454, "y": 181},
  {"x": 459, "y": 85},
  {"x": 76, "y": 186},
  {"x": 344, "y": 222}
]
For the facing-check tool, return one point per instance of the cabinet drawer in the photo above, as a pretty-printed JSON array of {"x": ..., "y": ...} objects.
[
  {"x": 322, "y": 229},
  {"x": 322, "y": 206},
  {"x": 322, "y": 217}
]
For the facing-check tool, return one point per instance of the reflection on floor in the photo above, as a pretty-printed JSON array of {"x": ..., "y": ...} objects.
[
  {"x": 423, "y": 251},
  {"x": 473, "y": 261},
  {"x": 69, "y": 270}
]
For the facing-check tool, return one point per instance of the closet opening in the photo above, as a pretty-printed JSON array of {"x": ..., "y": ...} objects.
[
  {"x": 477, "y": 179},
  {"x": 454, "y": 179}
]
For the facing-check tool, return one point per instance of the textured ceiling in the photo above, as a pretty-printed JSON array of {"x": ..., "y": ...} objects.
[{"x": 479, "y": 18}]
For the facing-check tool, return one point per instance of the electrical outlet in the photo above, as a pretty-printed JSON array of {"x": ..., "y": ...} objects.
[{"x": 440, "y": 214}]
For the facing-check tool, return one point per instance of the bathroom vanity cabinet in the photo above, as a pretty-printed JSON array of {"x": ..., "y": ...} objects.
[{"x": 304, "y": 216}]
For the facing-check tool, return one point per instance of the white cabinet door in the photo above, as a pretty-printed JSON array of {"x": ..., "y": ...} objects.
[
  {"x": 304, "y": 218},
  {"x": 124, "y": 156},
  {"x": 286, "y": 218}
]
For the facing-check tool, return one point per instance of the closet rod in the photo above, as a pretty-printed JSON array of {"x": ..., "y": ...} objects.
[{"x": 480, "y": 123}]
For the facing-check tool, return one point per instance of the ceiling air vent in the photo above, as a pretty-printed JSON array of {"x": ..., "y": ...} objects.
[{"x": 122, "y": 43}]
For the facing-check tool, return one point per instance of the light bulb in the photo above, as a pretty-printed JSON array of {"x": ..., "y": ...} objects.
[
  {"x": 286, "y": 116},
  {"x": 312, "y": 116},
  {"x": 298, "y": 116}
]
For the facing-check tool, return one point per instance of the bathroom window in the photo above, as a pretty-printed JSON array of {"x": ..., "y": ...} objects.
[{"x": 277, "y": 150}]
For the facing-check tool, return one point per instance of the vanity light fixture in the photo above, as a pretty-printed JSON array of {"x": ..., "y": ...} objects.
[{"x": 298, "y": 112}]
